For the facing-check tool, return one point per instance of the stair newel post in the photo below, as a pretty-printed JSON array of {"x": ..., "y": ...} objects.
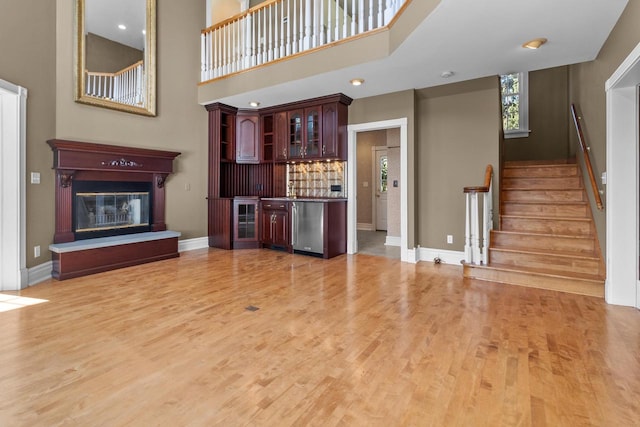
[{"x": 467, "y": 229}]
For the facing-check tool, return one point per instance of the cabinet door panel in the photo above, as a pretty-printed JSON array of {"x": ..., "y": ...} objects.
[
  {"x": 247, "y": 144},
  {"x": 296, "y": 134},
  {"x": 312, "y": 132},
  {"x": 281, "y": 136},
  {"x": 329, "y": 130}
]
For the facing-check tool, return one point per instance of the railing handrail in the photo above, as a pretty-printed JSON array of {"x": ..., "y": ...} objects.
[
  {"x": 587, "y": 157},
  {"x": 484, "y": 188},
  {"x": 116, "y": 73}
]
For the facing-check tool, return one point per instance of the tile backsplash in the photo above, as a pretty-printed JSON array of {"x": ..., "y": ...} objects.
[{"x": 317, "y": 179}]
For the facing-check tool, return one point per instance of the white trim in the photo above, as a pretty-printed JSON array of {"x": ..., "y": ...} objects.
[
  {"x": 40, "y": 273},
  {"x": 365, "y": 226},
  {"x": 446, "y": 257},
  {"x": 352, "y": 238},
  {"x": 13, "y": 143},
  {"x": 392, "y": 241},
  {"x": 193, "y": 244},
  {"x": 621, "y": 286}
]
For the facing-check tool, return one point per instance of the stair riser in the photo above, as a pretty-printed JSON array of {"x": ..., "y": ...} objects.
[
  {"x": 541, "y": 242},
  {"x": 549, "y": 262},
  {"x": 562, "y": 183},
  {"x": 543, "y": 195},
  {"x": 541, "y": 171},
  {"x": 575, "y": 211},
  {"x": 575, "y": 286},
  {"x": 547, "y": 226}
]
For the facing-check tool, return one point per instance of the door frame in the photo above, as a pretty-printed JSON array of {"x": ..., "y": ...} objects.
[
  {"x": 13, "y": 143},
  {"x": 622, "y": 285},
  {"x": 352, "y": 236}
]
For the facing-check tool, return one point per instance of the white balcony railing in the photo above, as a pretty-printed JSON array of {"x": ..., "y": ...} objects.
[
  {"x": 125, "y": 86},
  {"x": 281, "y": 28}
]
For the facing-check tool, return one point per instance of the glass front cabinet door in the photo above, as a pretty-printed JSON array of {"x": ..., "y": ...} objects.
[{"x": 245, "y": 214}]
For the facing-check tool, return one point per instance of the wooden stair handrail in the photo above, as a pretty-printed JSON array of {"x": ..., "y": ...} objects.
[
  {"x": 587, "y": 158},
  {"x": 487, "y": 182}
]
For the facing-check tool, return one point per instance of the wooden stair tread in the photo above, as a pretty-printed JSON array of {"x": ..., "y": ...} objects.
[
  {"x": 541, "y": 272},
  {"x": 528, "y": 233},
  {"x": 538, "y": 163},
  {"x": 556, "y": 253},
  {"x": 548, "y": 218},
  {"x": 545, "y": 202},
  {"x": 540, "y": 189}
]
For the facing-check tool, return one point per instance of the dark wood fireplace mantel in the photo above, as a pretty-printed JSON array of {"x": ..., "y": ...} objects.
[
  {"x": 83, "y": 161},
  {"x": 76, "y": 161}
]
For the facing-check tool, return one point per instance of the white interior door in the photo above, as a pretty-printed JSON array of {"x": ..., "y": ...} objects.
[{"x": 381, "y": 171}]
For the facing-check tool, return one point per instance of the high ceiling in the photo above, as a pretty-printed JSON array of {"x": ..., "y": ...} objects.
[{"x": 472, "y": 39}]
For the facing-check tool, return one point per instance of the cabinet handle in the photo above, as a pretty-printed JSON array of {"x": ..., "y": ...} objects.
[
  {"x": 284, "y": 153},
  {"x": 324, "y": 149}
]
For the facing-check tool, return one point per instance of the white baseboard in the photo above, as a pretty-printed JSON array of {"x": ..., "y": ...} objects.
[
  {"x": 192, "y": 244},
  {"x": 364, "y": 226},
  {"x": 445, "y": 256},
  {"x": 39, "y": 273},
  {"x": 392, "y": 241}
]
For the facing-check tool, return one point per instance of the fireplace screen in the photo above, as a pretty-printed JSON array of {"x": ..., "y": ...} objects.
[{"x": 102, "y": 211}]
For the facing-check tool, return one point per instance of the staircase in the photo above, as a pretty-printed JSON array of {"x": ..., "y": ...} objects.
[{"x": 547, "y": 238}]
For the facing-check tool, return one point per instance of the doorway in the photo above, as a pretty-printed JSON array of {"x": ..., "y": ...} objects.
[
  {"x": 13, "y": 108},
  {"x": 403, "y": 184}
]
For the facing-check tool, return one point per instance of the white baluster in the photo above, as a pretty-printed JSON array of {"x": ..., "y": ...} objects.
[
  {"x": 203, "y": 58},
  {"x": 345, "y": 29},
  {"x": 467, "y": 230},
  {"x": 487, "y": 215},
  {"x": 380, "y": 14},
  {"x": 337, "y": 24},
  {"x": 475, "y": 229},
  {"x": 294, "y": 16},
  {"x": 282, "y": 47},
  {"x": 270, "y": 33},
  {"x": 289, "y": 49},
  {"x": 370, "y": 22},
  {"x": 354, "y": 18},
  {"x": 306, "y": 44},
  {"x": 361, "y": 20},
  {"x": 329, "y": 29}
]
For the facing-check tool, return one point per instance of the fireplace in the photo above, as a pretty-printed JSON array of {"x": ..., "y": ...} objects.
[
  {"x": 110, "y": 207},
  {"x": 102, "y": 209}
]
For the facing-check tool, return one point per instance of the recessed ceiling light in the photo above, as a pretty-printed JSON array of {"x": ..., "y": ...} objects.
[
  {"x": 254, "y": 103},
  {"x": 122, "y": 27},
  {"x": 446, "y": 74},
  {"x": 535, "y": 43},
  {"x": 356, "y": 82}
]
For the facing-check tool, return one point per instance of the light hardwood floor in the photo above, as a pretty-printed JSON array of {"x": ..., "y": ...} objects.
[{"x": 351, "y": 341}]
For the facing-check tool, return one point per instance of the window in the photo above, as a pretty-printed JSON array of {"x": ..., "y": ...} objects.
[{"x": 515, "y": 104}]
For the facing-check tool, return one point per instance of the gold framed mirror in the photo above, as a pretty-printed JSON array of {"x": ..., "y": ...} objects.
[{"x": 115, "y": 55}]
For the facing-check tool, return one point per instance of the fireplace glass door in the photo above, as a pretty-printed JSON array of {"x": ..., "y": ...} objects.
[{"x": 111, "y": 211}]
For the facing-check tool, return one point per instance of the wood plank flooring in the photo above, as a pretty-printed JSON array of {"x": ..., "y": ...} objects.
[{"x": 351, "y": 341}]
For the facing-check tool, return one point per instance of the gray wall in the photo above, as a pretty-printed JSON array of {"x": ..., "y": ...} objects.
[
  {"x": 549, "y": 118},
  {"x": 587, "y": 91},
  {"x": 458, "y": 133},
  {"x": 107, "y": 56},
  {"x": 28, "y": 46}
]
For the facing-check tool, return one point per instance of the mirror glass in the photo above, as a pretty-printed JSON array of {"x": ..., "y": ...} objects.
[{"x": 115, "y": 56}]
